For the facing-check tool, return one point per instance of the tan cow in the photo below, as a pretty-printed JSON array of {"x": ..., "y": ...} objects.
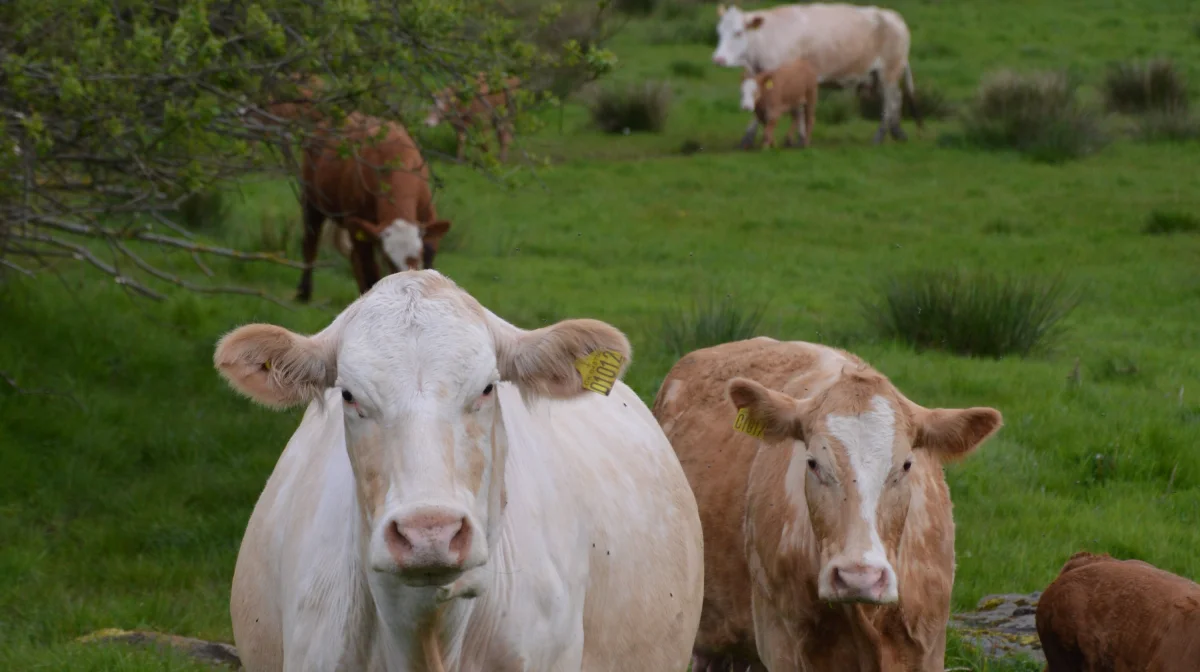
[
  {"x": 850, "y": 46},
  {"x": 1102, "y": 614},
  {"x": 791, "y": 89},
  {"x": 496, "y": 107},
  {"x": 829, "y": 541}
]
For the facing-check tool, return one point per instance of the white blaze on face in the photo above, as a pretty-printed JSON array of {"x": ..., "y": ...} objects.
[
  {"x": 731, "y": 39},
  {"x": 869, "y": 442},
  {"x": 749, "y": 94},
  {"x": 402, "y": 244}
]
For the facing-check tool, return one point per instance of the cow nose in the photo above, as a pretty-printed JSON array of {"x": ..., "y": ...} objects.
[
  {"x": 718, "y": 60},
  {"x": 429, "y": 542},
  {"x": 860, "y": 583}
]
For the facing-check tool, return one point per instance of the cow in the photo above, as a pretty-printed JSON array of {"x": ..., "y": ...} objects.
[
  {"x": 792, "y": 89},
  {"x": 369, "y": 177},
  {"x": 850, "y": 46},
  {"x": 1102, "y": 613},
  {"x": 828, "y": 535},
  {"x": 465, "y": 115},
  {"x": 455, "y": 499}
]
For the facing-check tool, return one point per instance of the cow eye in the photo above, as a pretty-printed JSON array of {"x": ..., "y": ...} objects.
[
  {"x": 812, "y": 463},
  {"x": 488, "y": 390},
  {"x": 908, "y": 464},
  {"x": 349, "y": 398}
]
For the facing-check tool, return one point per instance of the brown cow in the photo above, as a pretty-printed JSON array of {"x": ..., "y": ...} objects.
[
  {"x": 379, "y": 193},
  {"x": 464, "y": 115},
  {"x": 1101, "y": 613},
  {"x": 791, "y": 88},
  {"x": 829, "y": 541}
]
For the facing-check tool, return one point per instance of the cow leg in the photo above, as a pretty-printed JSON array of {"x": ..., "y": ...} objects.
[
  {"x": 504, "y": 137},
  {"x": 314, "y": 219},
  {"x": 769, "y": 132},
  {"x": 798, "y": 128},
  {"x": 366, "y": 272},
  {"x": 462, "y": 141},
  {"x": 892, "y": 100},
  {"x": 748, "y": 136}
]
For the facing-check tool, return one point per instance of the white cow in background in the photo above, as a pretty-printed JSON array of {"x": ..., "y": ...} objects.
[
  {"x": 850, "y": 46},
  {"x": 454, "y": 499}
]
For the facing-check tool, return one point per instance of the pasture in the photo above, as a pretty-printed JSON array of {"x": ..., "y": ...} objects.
[{"x": 123, "y": 504}]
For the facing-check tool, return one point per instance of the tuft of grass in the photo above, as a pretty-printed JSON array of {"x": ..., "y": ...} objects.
[
  {"x": 1036, "y": 114},
  {"x": 636, "y": 7},
  {"x": 931, "y": 103},
  {"x": 637, "y": 108},
  {"x": 1138, "y": 87},
  {"x": 977, "y": 315},
  {"x": 688, "y": 69},
  {"x": 1168, "y": 126},
  {"x": 673, "y": 10},
  {"x": 1161, "y": 222},
  {"x": 711, "y": 320},
  {"x": 693, "y": 31},
  {"x": 205, "y": 210},
  {"x": 834, "y": 109}
]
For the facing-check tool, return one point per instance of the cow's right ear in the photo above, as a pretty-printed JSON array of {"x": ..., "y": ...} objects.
[
  {"x": 433, "y": 232},
  {"x": 776, "y": 413},
  {"x": 720, "y": 11},
  {"x": 755, "y": 23},
  {"x": 276, "y": 367}
]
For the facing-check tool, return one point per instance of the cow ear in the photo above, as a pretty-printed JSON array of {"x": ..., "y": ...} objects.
[
  {"x": 772, "y": 415},
  {"x": 953, "y": 433},
  {"x": 755, "y": 23},
  {"x": 720, "y": 10},
  {"x": 563, "y": 360},
  {"x": 276, "y": 367},
  {"x": 432, "y": 233}
]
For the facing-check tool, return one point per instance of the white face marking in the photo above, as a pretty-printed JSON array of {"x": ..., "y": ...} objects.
[
  {"x": 749, "y": 94},
  {"x": 731, "y": 45},
  {"x": 868, "y": 439},
  {"x": 402, "y": 242}
]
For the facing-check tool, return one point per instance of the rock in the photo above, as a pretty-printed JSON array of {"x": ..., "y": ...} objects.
[
  {"x": 1002, "y": 626},
  {"x": 210, "y": 653}
]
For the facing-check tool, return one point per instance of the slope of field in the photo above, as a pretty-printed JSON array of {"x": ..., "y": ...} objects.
[{"x": 123, "y": 504}]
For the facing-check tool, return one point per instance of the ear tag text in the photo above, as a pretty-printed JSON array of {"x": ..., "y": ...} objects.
[
  {"x": 599, "y": 370},
  {"x": 744, "y": 424}
]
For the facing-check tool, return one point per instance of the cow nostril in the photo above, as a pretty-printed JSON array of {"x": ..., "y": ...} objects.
[
  {"x": 397, "y": 543},
  {"x": 461, "y": 540}
]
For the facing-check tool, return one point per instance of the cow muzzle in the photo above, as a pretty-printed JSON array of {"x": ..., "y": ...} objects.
[
  {"x": 430, "y": 546},
  {"x": 858, "y": 582}
]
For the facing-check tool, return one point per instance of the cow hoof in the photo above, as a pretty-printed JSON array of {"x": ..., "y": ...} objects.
[
  {"x": 878, "y": 137},
  {"x": 899, "y": 135}
]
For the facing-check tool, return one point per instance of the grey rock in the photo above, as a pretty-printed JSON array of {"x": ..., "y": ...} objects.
[{"x": 1002, "y": 626}]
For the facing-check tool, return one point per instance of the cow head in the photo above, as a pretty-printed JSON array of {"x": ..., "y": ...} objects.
[
  {"x": 733, "y": 35},
  {"x": 853, "y": 449},
  {"x": 752, "y": 89},
  {"x": 404, "y": 242},
  {"x": 421, "y": 372},
  {"x": 440, "y": 109}
]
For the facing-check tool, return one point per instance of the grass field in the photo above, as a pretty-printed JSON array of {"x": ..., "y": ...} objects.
[{"x": 123, "y": 504}]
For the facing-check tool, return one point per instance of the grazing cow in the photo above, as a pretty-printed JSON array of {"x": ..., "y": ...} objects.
[
  {"x": 828, "y": 535},
  {"x": 850, "y": 46},
  {"x": 455, "y": 499},
  {"x": 1104, "y": 614},
  {"x": 464, "y": 115},
  {"x": 791, "y": 88}
]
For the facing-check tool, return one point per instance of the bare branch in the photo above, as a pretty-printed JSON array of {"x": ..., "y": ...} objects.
[{"x": 12, "y": 382}]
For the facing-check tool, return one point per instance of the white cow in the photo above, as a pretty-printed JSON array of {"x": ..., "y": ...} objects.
[
  {"x": 454, "y": 499},
  {"x": 850, "y": 46}
]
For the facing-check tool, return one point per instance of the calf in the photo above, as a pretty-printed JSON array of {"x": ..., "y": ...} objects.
[
  {"x": 1103, "y": 614},
  {"x": 828, "y": 535},
  {"x": 791, "y": 88},
  {"x": 465, "y": 115},
  {"x": 460, "y": 495}
]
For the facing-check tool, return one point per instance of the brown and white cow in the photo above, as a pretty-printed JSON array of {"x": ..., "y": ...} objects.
[
  {"x": 454, "y": 498},
  {"x": 789, "y": 89},
  {"x": 497, "y": 107},
  {"x": 829, "y": 541},
  {"x": 850, "y": 46},
  {"x": 1104, "y": 614}
]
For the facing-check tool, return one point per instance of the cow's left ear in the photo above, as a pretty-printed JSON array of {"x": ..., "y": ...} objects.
[
  {"x": 755, "y": 23},
  {"x": 720, "y": 10},
  {"x": 952, "y": 433},
  {"x": 432, "y": 233},
  {"x": 563, "y": 360}
]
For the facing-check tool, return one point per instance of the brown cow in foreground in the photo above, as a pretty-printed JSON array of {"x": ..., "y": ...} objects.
[
  {"x": 497, "y": 107},
  {"x": 829, "y": 541},
  {"x": 791, "y": 88},
  {"x": 1115, "y": 615}
]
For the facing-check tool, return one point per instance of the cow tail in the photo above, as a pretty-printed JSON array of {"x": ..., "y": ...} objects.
[{"x": 910, "y": 95}]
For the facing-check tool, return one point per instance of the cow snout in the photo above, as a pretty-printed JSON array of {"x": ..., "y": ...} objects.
[
  {"x": 862, "y": 583},
  {"x": 429, "y": 546},
  {"x": 719, "y": 60}
]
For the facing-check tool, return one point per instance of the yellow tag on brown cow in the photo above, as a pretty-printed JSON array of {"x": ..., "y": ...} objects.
[
  {"x": 360, "y": 236},
  {"x": 599, "y": 370},
  {"x": 769, "y": 84},
  {"x": 743, "y": 423}
]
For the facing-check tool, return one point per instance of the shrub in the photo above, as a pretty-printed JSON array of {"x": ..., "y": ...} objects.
[
  {"x": 1169, "y": 126},
  {"x": 1037, "y": 114},
  {"x": 710, "y": 321},
  {"x": 688, "y": 69},
  {"x": 204, "y": 210},
  {"x": 1139, "y": 87},
  {"x": 636, "y": 7},
  {"x": 1160, "y": 222},
  {"x": 834, "y": 109},
  {"x": 641, "y": 107},
  {"x": 696, "y": 31},
  {"x": 931, "y": 103},
  {"x": 672, "y": 10},
  {"x": 979, "y": 315}
]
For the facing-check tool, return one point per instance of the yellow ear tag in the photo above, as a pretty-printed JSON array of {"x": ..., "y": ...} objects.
[
  {"x": 360, "y": 236},
  {"x": 599, "y": 370},
  {"x": 267, "y": 365},
  {"x": 744, "y": 424},
  {"x": 768, "y": 84}
]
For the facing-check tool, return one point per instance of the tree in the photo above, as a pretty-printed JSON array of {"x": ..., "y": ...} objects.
[{"x": 113, "y": 113}]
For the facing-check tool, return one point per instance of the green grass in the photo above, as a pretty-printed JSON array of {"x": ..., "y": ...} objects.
[{"x": 127, "y": 511}]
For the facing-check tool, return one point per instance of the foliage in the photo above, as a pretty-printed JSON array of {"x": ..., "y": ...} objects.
[
  {"x": 711, "y": 320},
  {"x": 1037, "y": 114},
  {"x": 931, "y": 103},
  {"x": 1160, "y": 222},
  {"x": 688, "y": 69},
  {"x": 978, "y": 315},
  {"x": 1169, "y": 126},
  {"x": 632, "y": 109},
  {"x": 111, "y": 120},
  {"x": 835, "y": 107},
  {"x": 1145, "y": 86}
]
